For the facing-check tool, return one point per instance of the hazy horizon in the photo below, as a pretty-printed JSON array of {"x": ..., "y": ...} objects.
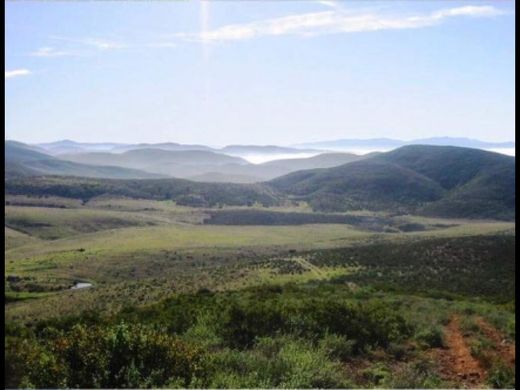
[{"x": 220, "y": 145}]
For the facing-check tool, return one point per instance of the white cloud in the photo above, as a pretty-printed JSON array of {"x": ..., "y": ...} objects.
[
  {"x": 16, "y": 72},
  {"x": 102, "y": 44},
  {"x": 329, "y": 3},
  {"x": 96, "y": 43},
  {"x": 165, "y": 45},
  {"x": 329, "y": 22},
  {"x": 52, "y": 52}
]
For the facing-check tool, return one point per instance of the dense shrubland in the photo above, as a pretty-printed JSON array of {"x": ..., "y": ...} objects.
[{"x": 263, "y": 337}]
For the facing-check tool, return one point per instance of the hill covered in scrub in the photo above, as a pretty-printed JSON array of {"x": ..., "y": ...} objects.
[
  {"x": 184, "y": 192},
  {"x": 434, "y": 180},
  {"x": 442, "y": 181}
]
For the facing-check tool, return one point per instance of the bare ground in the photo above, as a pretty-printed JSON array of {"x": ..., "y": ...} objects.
[{"x": 457, "y": 365}]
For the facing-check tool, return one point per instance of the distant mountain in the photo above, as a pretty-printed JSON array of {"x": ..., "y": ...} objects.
[
  {"x": 372, "y": 143},
  {"x": 324, "y": 160},
  {"x": 434, "y": 180},
  {"x": 264, "y": 149},
  {"x": 72, "y": 147},
  {"x": 207, "y": 165},
  {"x": 171, "y": 146},
  {"x": 463, "y": 142},
  {"x": 68, "y": 146},
  {"x": 171, "y": 163},
  {"x": 275, "y": 168},
  {"x": 388, "y": 143},
  {"x": 24, "y": 160},
  {"x": 442, "y": 181}
]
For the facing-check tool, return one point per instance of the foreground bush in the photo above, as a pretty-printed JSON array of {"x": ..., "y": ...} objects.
[
  {"x": 91, "y": 357},
  {"x": 365, "y": 325}
]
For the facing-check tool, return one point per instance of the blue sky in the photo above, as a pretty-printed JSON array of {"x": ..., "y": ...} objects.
[{"x": 278, "y": 72}]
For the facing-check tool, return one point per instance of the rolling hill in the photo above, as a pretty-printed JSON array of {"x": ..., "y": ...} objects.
[
  {"x": 434, "y": 180},
  {"x": 184, "y": 192},
  {"x": 324, "y": 160},
  {"x": 261, "y": 149},
  {"x": 68, "y": 146},
  {"x": 170, "y": 163},
  {"x": 442, "y": 181},
  {"x": 24, "y": 160},
  {"x": 249, "y": 173},
  {"x": 201, "y": 165}
]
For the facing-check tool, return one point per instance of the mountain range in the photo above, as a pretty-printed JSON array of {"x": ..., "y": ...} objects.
[
  {"x": 443, "y": 181},
  {"x": 198, "y": 165},
  {"x": 25, "y": 160},
  {"x": 388, "y": 143}
]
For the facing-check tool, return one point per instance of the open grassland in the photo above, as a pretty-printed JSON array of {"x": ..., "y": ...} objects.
[
  {"x": 14, "y": 238},
  {"x": 306, "y": 305},
  {"x": 52, "y": 223}
]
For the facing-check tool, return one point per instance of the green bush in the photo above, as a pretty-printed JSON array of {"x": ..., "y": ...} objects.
[
  {"x": 433, "y": 337},
  {"x": 501, "y": 376},
  {"x": 337, "y": 347},
  {"x": 280, "y": 362},
  {"x": 417, "y": 375},
  {"x": 116, "y": 356}
]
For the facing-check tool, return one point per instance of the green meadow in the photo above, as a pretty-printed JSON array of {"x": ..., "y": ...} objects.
[{"x": 160, "y": 267}]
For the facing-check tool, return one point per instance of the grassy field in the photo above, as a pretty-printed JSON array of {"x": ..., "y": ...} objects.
[{"x": 143, "y": 256}]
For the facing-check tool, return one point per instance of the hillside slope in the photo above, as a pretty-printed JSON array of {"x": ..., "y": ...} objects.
[
  {"x": 434, "y": 180},
  {"x": 23, "y": 160},
  {"x": 207, "y": 165},
  {"x": 184, "y": 192}
]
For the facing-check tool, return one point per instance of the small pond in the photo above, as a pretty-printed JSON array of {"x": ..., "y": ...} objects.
[{"x": 79, "y": 285}]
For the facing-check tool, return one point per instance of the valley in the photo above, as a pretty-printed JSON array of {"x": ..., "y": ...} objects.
[{"x": 363, "y": 275}]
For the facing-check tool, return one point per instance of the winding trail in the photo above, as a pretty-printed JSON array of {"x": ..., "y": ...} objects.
[
  {"x": 456, "y": 361},
  {"x": 309, "y": 266}
]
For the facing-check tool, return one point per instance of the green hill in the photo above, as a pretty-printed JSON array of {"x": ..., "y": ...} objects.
[
  {"x": 450, "y": 166},
  {"x": 361, "y": 185},
  {"x": 182, "y": 191},
  {"x": 434, "y": 180}
]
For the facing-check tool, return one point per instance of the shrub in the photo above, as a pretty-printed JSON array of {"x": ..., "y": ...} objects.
[
  {"x": 337, "y": 347},
  {"x": 116, "y": 356},
  {"x": 501, "y": 376},
  {"x": 417, "y": 375},
  {"x": 433, "y": 337}
]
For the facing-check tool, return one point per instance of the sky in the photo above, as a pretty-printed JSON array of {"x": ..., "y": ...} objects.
[{"x": 258, "y": 72}]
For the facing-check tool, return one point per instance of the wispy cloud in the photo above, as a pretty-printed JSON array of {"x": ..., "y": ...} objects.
[
  {"x": 79, "y": 47},
  {"x": 96, "y": 43},
  {"x": 52, "y": 52},
  {"x": 331, "y": 22},
  {"x": 161, "y": 45},
  {"x": 9, "y": 74},
  {"x": 329, "y": 3}
]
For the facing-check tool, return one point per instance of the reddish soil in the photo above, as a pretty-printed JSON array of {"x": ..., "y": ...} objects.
[
  {"x": 457, "y": 364},
  {"x": 505, "y": 350}
]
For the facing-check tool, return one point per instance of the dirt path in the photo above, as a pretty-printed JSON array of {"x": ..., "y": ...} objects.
[
  {"x": 505, "y": 349},
  {"x": 457, "y": 364},
  {"x": 311, "y": 267}
]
